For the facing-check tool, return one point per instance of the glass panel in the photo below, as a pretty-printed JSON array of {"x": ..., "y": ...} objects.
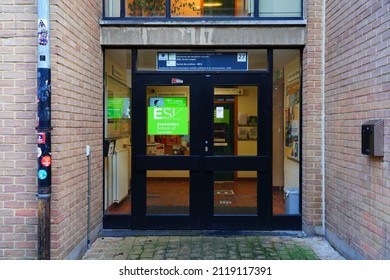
[
  {"x": 117, "y": 128},
  {"x": 212, "y": 8},
  {"x": 168, "y": 192},
  {"x": 280, "y": 8},
  {"x": 145, "y": 8},
  {"x": 186, "y": 8},
  {"x": 286, "y": 133},
  {"x": 235, "y": 133},
  {"x": 112, "y": 8},
  {"x": 257, "y": 58},
  {"x": 204, "y": 8},
  {"x": 189, "y": 8},
  {"x": 168, "y": 120}
]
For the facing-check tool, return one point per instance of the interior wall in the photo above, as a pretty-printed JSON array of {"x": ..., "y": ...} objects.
[
  {"x": 247, "y": 104},
  {"x": 291, "y": 166}
]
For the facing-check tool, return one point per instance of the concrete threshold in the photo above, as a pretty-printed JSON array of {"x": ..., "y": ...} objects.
[{"x": 126, "y": 233}]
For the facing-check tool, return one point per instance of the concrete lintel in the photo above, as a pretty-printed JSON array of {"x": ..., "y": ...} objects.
[{"x": 203, "y": 36}]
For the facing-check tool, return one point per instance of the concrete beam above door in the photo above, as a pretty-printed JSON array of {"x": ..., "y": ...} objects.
[{"x": 203, "y": 36}]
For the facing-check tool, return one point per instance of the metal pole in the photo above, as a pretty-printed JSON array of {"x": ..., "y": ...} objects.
[
  {"x": 88, "y": 153},
  {"x": 44, "y": 129}
]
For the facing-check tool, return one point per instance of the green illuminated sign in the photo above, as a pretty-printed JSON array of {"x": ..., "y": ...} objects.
[
  {"x": 169, "y": 119},
  {"x": 118, "y": 108}
]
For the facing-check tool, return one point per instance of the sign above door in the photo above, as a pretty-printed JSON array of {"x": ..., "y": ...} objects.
[{"x": 200, "y": 61}]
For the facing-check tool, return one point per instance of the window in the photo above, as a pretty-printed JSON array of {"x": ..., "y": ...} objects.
[
  {"x": 280, "y": 8},
  {"x": 286, "y": 136},
  {"x": 117, "y": 131},
  {"x": 203, "y": 8}
]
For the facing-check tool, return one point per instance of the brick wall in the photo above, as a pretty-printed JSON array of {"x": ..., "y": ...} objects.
[
  {"x": 18, "y": 157},
  {"x": 77, "y": 67},
  {"x": 312, "y": 86},
  {"x": 76, "y": 62},
  {"x": 357, "y": 89}
]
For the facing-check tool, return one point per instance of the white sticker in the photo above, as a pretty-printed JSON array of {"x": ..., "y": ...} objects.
[{"x": 219, "y": 114}]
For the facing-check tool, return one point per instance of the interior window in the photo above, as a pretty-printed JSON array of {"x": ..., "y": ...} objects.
[
  {"x": 204, "y": 8},
  {"x": 117, "y": 130}
]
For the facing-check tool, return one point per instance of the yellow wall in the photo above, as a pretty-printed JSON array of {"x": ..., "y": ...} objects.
[
  {"x": 291, "y": 167},
  {"x": 247, "y": 103}
]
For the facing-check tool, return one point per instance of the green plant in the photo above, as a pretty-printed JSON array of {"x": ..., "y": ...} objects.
[{"x": 142, "y": 8}]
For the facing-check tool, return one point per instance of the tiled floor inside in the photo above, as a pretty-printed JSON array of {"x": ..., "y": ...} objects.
[{"x": 172, "y": 197}]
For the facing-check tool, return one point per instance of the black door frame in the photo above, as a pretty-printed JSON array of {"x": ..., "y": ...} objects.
[{"x": 202, "y": 163}]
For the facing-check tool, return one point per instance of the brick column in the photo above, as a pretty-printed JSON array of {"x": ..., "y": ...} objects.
[
  {"x": 312, "y": 100},
  {"x": 77, "y": 108}
]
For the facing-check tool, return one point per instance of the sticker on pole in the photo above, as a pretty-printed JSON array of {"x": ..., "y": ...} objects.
[
  {"x": 42, "y": 174},
  {"x": 41, "y": 138},
  {"x": 46, "y": 161},
  {"x": 43, "y": 37},
  {"x": 39, "y": 152}
]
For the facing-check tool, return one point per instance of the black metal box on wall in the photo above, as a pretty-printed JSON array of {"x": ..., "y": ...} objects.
[{"x": 372, "y": 138}]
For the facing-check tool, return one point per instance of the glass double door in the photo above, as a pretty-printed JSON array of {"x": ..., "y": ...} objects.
[{"x": 201, "y": 152}]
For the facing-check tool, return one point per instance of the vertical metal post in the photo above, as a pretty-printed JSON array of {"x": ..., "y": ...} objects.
[
  {"x": 88, "y": 153},
  {"x": 44, "y": 129}
]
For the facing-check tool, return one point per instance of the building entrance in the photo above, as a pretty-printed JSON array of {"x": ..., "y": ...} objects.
[{"x": 200, "y": 149}]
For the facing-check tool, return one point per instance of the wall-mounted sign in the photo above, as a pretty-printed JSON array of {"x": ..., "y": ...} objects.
[
  {"x": 168, "y": 116},
  {"x": 200, "y": 61}
]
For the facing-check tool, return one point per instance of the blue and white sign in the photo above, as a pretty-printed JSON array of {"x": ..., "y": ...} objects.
[{"x": 200, "y": 61}]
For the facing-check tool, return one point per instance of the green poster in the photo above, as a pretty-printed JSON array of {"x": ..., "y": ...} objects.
[
  {"x": 114, "y": 108},
  {"x": 225, "y": 116},
  {"x": 168, "y": 120}
]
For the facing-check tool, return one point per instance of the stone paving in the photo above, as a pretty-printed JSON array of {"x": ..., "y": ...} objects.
[{"x": 211, "y": 248}]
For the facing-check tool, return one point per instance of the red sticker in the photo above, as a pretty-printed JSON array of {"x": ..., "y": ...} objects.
[
  {"x": 46, "y": 161},
  {"x": 41, "y": 138}
]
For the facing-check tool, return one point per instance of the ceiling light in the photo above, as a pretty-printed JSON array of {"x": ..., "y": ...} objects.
[{"x": 212, "y": 5}]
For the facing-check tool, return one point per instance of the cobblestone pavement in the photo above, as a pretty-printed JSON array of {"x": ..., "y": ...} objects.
[{"x": 211, "y": 248}]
